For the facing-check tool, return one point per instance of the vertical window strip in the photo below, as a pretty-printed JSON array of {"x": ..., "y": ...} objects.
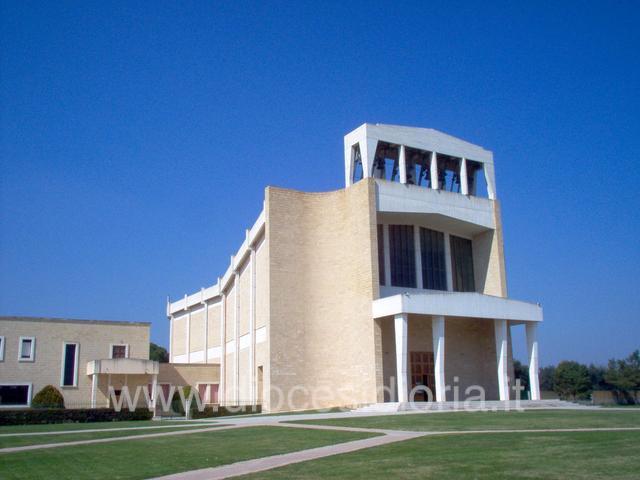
[
  {"x": 434, "y": 271},
  {"x": 402, "y": 250},
  {"x": 381, "y": 270},
  {"x": 462, "y": 264}
]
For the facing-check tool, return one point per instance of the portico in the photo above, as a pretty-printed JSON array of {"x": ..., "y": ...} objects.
[{"x": 459, "y": 314}]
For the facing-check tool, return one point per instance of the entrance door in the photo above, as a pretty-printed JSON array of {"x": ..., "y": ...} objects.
[{"x": 422, "y": 373}]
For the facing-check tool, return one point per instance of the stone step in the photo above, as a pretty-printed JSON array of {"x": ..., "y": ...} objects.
[{"x": 390, "y": 407}]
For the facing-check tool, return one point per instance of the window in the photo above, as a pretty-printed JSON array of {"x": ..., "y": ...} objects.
[
  {"x": 27, "y": 349},
  {"x": 69, "y": 365},
  {"x": 403, "y": 256},
  {"x": 434, "y": 271},
  {"x": 462, "y": 264},
  {"x": 15, "y": 395},
  {"x": 1, "y": 348},
  {"x": 381, "y": 271},
  {"x": 119, "y": 351}
]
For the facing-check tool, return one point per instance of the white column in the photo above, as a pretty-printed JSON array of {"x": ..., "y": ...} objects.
[
  {"x": 437, "y": 330},
  {"x": 387, "y": 256},
  {"x": 154, "y": 392},
  {"x": 416, "y": 246},
  {"x": 447, "y": 262},
  {"x": 94, "y": 389},
  {"x": 464, "y": 179},
  {"x": 500, "y": 327},
  {"x": 532, "y": 348},
  {"x": 206, "y": 329},
  {"x": 490, "y": 178},
  {"x": 367, "y": 153},
  {"x": 252, "y": 327},
  {"x": 236, "y": 350},
  {"x": 188, "y": 332},
  {"x": 433, "y": 171},
  {"x": 223, "y": 346},
  {"x": 402, "y": 164},
  {"x": 171, "y": 339},
  {"x": 401, "y": 328}
]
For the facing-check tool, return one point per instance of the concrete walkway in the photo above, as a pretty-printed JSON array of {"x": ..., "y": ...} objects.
[{"x": 94, "y": 430}]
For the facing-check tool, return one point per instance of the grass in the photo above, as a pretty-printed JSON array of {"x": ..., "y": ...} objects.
[
  {"x": 19, "y": 440},
  {"x": 532, "y": 419},
  {"x": 55, "y": 427},
  {"x": 583, "y": 455},
  {"x": 137, "y": 459}
]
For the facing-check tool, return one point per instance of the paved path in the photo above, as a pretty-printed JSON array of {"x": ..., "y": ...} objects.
[{"x": 94, "y": 430}]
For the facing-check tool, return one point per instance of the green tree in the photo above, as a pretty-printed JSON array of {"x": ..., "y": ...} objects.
[
  {"x": 624, "y": 377},
  {"x": 546, "y": 376},
  {"x": 521, "y": 372},
  {"x": 596, "y": 375},
  {"x": 158, "y": 353},
  {"x": 571, "y": 380},
  {"x": 48, "y": 397}
]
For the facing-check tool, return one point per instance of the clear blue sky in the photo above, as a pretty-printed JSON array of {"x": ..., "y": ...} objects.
[{"x": 136, "y": 141}]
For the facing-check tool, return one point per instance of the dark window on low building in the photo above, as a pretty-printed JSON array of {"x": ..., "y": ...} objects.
[
  {"x": 403, "y": 256},
  {"x": 118, "y": 351},
  {"x": 69, "y": 373},
  {"x": 434, "y": 271},
  {"x": 381, "y": 270},
  {"x": 17, "y": 395},
  {"x": 462, "y": 264}
]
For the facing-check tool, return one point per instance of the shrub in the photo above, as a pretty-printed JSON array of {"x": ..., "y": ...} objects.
[
  {"x": 80, "y": 415},
  {"x": 48, "y": 397},
  {"x": 209, "y": 411}
]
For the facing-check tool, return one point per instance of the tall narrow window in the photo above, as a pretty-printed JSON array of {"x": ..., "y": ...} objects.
[
  {"x": 403, "y": 256},
  {"x": 434, "y": 271},
  {"x": 69, "y": 365},
  {"x": 27, "y": 349},
  {"x": 1, "y": 348},
  {"x": 462, "y": 264},
  {"x": 381, "y": 270}
]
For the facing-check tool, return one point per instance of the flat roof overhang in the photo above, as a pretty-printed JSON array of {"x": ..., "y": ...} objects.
[
  {"x": 123, "y": 366},
  {"x": 457, "y": 304}
]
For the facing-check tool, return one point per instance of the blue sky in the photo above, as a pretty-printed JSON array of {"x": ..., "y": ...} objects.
[{"x": 137, "y": 138}]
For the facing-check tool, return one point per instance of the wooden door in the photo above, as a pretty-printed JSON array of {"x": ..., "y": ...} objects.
[{"x": 422, "y": 373}]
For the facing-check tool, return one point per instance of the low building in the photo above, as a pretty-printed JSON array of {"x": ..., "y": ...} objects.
[
  {"x": 354, "y": 296},
  {"x": 84, "y": 359}
]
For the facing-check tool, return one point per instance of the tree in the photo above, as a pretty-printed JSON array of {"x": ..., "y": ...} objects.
[
  {"x": 624, "y": 377},
  {"x": 571, "y": 380},
  {"x": 596, "y": 375},
  {"x": 48, "y": 397},
  {"x": 158, "y": 353},
  {"x": 546, "y": 377},
  {"x": 521, "y": 372}
]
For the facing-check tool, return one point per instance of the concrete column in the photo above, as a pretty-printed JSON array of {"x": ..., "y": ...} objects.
[
  {"x": 171, "y": 339},
  {"x": 401, "y": 330},
  {"x": 490, "y": 178},
  {"x": 387, "y": 255},
  {"x": 464, "y": 180},
  {"x": 402, "y": 164},
  {"x": 532, "y": 348},
  {"x": 447, "y": 262},
  {"x": 252, "y": 327},
  {"x": 154, "y": 392},
  {"x": 223, "y": 346},
  {"x": 500, "y": 327},
  {"x": 437, "y": 330},
  {"x": 206, "y": 329},
  {"x": 236, "y": 350},
  {"x": 94, "y": 389},
  {"x": 418, "y": 250},
  {"x": 367, "y": 153},
  {"x": 433, "y": 171}
]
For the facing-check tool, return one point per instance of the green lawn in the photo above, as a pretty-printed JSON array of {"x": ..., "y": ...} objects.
[
  {"x": 55, "y": 427},
  {"x": 584, "y": 455},
  {"x": 19, "y": 440},
  {"x": 532, "y": 419},
  {"x": 137, "y": 459}
]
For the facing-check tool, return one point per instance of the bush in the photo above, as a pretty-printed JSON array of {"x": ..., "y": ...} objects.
[
  {"x": 48, "y": 397},
  {"x": 80, "y": 415},
  {"x": 209, "y": 412}
]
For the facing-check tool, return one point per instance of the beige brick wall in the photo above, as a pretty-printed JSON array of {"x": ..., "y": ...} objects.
[
  {"x": 178, "y": 345},
  {"x": 214, "y": 326},
  {"x": 230, "y": 314},
  {"x": 197, "y": 331},
  {"x": 322, "y": 281},
  {"x": 488, "y": 259},
  {"x": 244, "y": 282},
  {"x": 94, "y": 339}
]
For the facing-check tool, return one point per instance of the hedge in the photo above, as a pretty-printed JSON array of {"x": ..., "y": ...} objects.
[
  {"x": 80, "y": 415},
  {"x": 209, "y": 412}
]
